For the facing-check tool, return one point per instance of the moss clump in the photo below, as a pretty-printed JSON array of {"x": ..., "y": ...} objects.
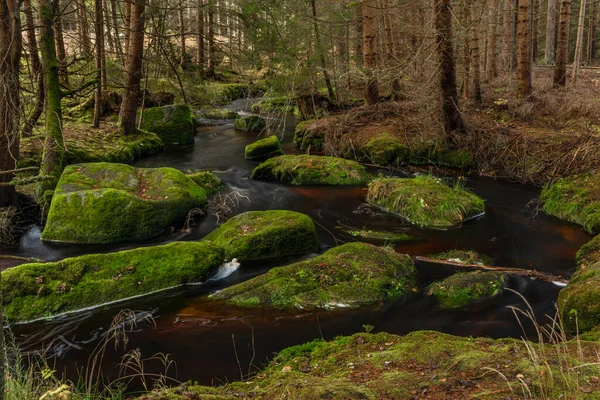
[
  {"x": 253, "y": 123},
  {"x": 464, "y": 256},
  {"x": 378, "y": 235},
  {"x": 307, "y": 135},
  {"x": 575, "y": 199},
  {"x": 107, "y": 203},
  {"x": 465, "y": 288},
  {"x": 217, "y": 113},
  {"x": 439, "y": 154},
  {"x": 260, "y": 235},
  {"x": 579, "y": 302},
  {"x": 589, "y": 253},
  {"x": 349, "y": 275},
  {"x": 207, "y": 181},
  {"x": 44, "y": 289},
  {"x": 384, "y": 150},
  {"x": 283, "y": 104},
  {"x": 264, "y": 149},
  {"x": 425, "y": 201},
  {"x": 312, "y": 170},
  {"x": 175, "y": 124}
]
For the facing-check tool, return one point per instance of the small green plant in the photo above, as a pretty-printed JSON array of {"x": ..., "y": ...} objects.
[{"x": 368, "y": 328}]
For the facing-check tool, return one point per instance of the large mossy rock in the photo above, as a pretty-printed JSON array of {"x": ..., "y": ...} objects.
[
  {"x": 207, "y": 181},
  {"x": 308, "y": 134},
  {"x": 425, "y": 201},
  {"x": 312, "y": 170},
  {"x": 175, "y": 124},
  {"x": 263, "y": 149},
  {"x": 217, "y": 113},
  {"x": 579, "y": 302},
  {"x": 44, "y": 289},
  {"x": 283, "y": 104},
  {"x": 464, "y": 288},
  {"x": 261, "y": 235},
  {"x": 253, "y": 123},
  {"x": 575, "y": 199},
  {"x": 349, "y": 275},
  {"x": 384, "y": 150},
  {"x": 107, "y": 203}
]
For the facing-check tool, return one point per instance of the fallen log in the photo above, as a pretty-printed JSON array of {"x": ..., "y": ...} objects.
[{"x": 531, "y": 274}]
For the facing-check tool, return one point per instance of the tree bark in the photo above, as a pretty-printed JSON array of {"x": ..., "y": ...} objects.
[
  {"x": 535, "y": 15},
  {"x": 99, "y": 25},
  {"x": 182, "y": 33},
  {"x": 507, "y": 36},
  {"x": 467, "y": 22},
  {"x": 10, "y": 55},
  {"x": 592, "y": 31},
  {"x": 36, "y": 67},
  {"x": 82, "y": 28},
  {"x": 443, "y": 25},
  {"x": 133, "y": 70},
  {"x": 115, "y": 26},
  {"x": 321, "y": 51},
  {"x": 61, "y": 53},
  {"x": 200, "y": 37},
  {"x": 550, "y": 47},
  {"x": 370, "y": 52},
  {"x": 562, "y": 47},
  {"x": 211, "y": 39},
  {"x": 524, "y": 49},
  {"x": 491, "y": 70},
  {"x": 358, "y": 49},
  {"x": 127, "y": 29},
  {"x": 579, "y": 43},
  {"x": 475, "y": 55}
]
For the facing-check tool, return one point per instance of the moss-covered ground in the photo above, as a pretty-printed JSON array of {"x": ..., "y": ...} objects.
[
  {"x": 349, "y": 275},
  {"x": 425, "y": 200},
  {"x": 575, "y": 199},
  {"x": 282, "y": 104},
  {"x": 263, "y": 149},
  {"x": 464, "y": 288},
  {"x": 464, "y": 256},
  {"x": 207, "y": 181},
  {"x": 383, "y": 150},
  {"x": 44, "y": 289},
  {"x": 216, "y": 113},
  {"x": 106, "y": 203},
  {"x": 312, "y": 170},
  {"x": 252, "y": 123},
  {"x": 386, "y": 236},
  {"x": 308, "y": 134},
  {"x": 579, "y": 302},
  {"x": 174, "y": 124},
  {"x": 261, "y": 235}
]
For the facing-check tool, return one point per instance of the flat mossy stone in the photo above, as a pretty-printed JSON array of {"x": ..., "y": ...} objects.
[
  {"x": 261, "y": 235},
  {"x": 252, "y": 123},
  {"x": 464, "y": 288},
  {"x": 353, "y": 274},
  {"x": 44, "y": 289},
  {"x": 377, "y": 235},
  {"x": 175, "y": 124},
  {"x": 217, "y": 113},
  {"x": 207, "y": 181},
  {"x": 464, "y": 256},
  {"x": 108, "y": 203},
  {"x": 384, "y": 150},
  {"x": 425, "y": 201},
  {"x": 312, "y": 170},
  {"x": 575, "y": 199},
  {"x": 307, "y": 134},
  {"x": 263, "y": 149},
  {"x": 579, "y": 301}
]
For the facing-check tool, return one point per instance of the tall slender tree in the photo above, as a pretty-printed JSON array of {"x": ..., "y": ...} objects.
[
  {"x": 579, "y": 42},
  {"x": 319, "y": 45},
  {"x": 550, "y": 51},
  {"x": 491, "y": 69},
  {"x": 562, "y": 45},
  {"x": 523, "y": 49},
  {"x": 36, "y": 69},
  {"x": 370, "y": 52},
  {"x": 592, "y": 31},
  {"x": 200, "y": 37},
  {"x": 99, "y": 26},
  {"x": 475, "y": 54}
]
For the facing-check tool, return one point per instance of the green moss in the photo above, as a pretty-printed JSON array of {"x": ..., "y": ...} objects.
[
  {"x": 589, "y": 253},
  {"x": 579, "y": 302},
  {"x": 217, "y": 113},
  {"x": 283, "y": 104},
  {"x": 425, "y": 200},
  {"x": 207, "y": 181},
  {"x": 312, "y": 170},
  {"x": 44, "y": 289},
  {"x": 439, "y": 154},
  {"x": 384, "y": 150},
  {"x": 349, "y": 275},
  {"x": 464, "y": 256},
  {"x": 174, "y": 123},
  {"x": 465, "y": 288},
  {"x": 260, "y": 235},
  {"x": 252, "y": 123},
  {"x": 307, "y": 135},
  {"x": 263, "y": 149},
  {"x": 575, "y": 199},
  {"x": 106, "y": 203},
  {"x": 378, "y": 235}
]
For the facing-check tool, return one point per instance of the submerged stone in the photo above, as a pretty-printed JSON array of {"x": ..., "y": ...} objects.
[
  {"x": 575, "y": 199},
  {"x": 261, "y": 235},
  {"x": 425, "y": 201},
  {"x": 464, "y": 256},
  {"x": 579, "y": 302},
  {"x": 349, "y": 275},
  {"x": 107, "y": 203},
  {"x": 175, "y": 124},
  {"x": 44, "y": 289},
  {"x": 312, "y": 170},
  {"x": 307, "y": 134},
  {"x": 378, "y": 235},
  {"x": 464, "y": 288},
  {"x": 263, "y": 149},
  {"x": 253, "y": 123}
]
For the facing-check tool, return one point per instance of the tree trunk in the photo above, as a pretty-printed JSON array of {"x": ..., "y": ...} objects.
[
  {"x": 200, "y": 40},
  {"x": 592, "y": 31},
  {"x": 475, "y": 55},
  {"x": 562, "y": 46},
  {"x": 133, "y": 71},
  {"x": 523, "y": 49},
  {"x": 52, "y": 158},
  {"x": 358, "y": 49},
  {"x": 507, "y": 36},
  {"x": 579, "y": 43},
  {"x": 491, "y": 70},
  {"x": 321, "y": 51},
  {"x": 535, "y": 18},
  {"x": 61, "y": 53},
  {"x": 127, "y": 24},
  {"x": 82, "y": 27},
  {"x": 467, "y": 22},
  {"x": 549, "y": 52},
  {"x": 211, "y": 39},
  {"x": 182, "y": 33},
  {"x": 370, "y": 52},
  {"x": 36, "y": 67},
  {"x": 99, "y": 25},
  {"x": 443, "y": 25},
  {"x": 10, "y": 56},
  {"x": 108, "y": 31},
  {"x": 115, "y": 24}
]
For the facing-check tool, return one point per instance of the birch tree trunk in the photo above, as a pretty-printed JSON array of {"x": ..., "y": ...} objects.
[
  {"x": 523, "y": 49},
  {"x": 562, "y": 46},
  {"x": 550, "y": 48},
  {"x": 579, "y": 43}
]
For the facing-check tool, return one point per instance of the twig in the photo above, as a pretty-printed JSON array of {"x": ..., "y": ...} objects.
[
  {"x": 14, "y": 171},
  {"x": 28, "y": 259}
]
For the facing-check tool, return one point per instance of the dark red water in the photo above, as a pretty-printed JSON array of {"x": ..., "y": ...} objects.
[{"x": 213, "y": 343}]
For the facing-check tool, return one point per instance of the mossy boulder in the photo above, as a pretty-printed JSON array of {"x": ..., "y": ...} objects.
[
  {"x": 307, "y": 134},
  {"x": 217, "y": 113},
  {"x": 425, "y": 201},
  {"x": 384, "y": 150},
  {"x": 260, "y": 235},
  {"x": 464, "y": 288},
  {"x": 44, "y": 289},
  {"x": 464, "y": 256},
  {"x": 579, "y": 302},
  {"x": 175, "y": 124},
  {"x": 252, "y": 123},
  {"x": 207, "y": 181},
  {"x": 312, "y": 170},
  {"x": 283, "y": 104},
  {"x": 349, "y": 275},
  {"x": 264, "y": 149},
  {"x": 575, "y": 199},
  {"x": 107, "y": 203}
]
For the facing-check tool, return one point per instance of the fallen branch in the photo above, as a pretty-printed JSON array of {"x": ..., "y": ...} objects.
[
  {"x": 14, "y": 171},
  {"x": 28, "y": 259},
  {"x": 532, "y": 274}
]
